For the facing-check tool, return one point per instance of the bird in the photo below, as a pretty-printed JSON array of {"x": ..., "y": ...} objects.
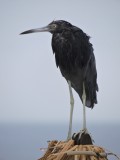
[{"x": 74, "y": 56}]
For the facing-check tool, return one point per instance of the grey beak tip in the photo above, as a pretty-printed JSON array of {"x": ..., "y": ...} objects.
[{"x": 26, "y": 32}]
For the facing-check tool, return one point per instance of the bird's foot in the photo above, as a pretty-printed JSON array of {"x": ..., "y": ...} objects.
[{"x": 83, "y": 137}]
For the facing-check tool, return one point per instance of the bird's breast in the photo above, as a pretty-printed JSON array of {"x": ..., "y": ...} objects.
[{"x": 65, "y": 54}]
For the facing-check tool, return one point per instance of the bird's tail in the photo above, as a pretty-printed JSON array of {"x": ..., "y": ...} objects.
[{"x": 91, "y": 94}]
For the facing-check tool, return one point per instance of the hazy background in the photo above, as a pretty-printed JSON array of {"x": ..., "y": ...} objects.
[{"x": 32, "y": 89}]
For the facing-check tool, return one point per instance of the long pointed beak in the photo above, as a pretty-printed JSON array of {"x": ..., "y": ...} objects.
[{"x": 43, "y": 29}]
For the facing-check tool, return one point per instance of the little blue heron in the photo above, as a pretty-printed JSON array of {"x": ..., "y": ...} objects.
[{"x": 75, "y": 58}]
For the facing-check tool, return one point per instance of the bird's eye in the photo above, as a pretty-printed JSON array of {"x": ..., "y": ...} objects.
[{"x": 54, "y": 25}]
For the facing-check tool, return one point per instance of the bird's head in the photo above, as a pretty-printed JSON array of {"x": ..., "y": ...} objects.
[{"x": 54, "y": 27}]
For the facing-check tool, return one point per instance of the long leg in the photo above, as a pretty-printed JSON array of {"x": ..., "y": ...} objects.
[
  {"x": 84, "y": 108},
  {"x": 71, "y": 111},
  {"x": 84, "y": 129},
  {"x": 83, "y": 137}
]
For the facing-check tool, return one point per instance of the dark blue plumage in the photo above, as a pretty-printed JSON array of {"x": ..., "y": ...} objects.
[{"x": 75, "y": 58}]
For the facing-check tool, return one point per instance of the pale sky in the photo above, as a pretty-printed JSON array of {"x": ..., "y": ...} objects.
[{"x": 31, "y": 87}]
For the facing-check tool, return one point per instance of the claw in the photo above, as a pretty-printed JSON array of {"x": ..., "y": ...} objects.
[{"x": 83, "y": 137}]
